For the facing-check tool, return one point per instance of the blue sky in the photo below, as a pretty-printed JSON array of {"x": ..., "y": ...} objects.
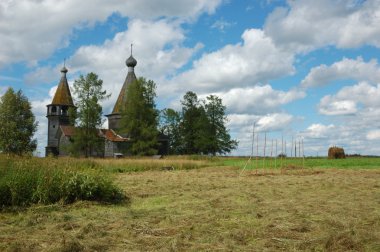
[{"x": 299, "y": 69}]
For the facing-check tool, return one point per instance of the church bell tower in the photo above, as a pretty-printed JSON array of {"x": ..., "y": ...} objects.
[{"x": 58, "y": 113}]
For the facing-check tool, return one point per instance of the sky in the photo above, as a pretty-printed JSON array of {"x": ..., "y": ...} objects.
[{"x": 297, "y": 69}]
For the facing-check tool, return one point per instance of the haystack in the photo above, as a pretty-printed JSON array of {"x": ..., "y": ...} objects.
[{"x": 336, "y": 152}]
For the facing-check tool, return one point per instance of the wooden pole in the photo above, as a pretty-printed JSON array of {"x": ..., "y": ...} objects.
[
  {"x": 275, "y": 158},
  {"x": 299, "y": 148},
  {"x": 282, "y": 150},
  {"x": 253, "y": 140},
  {"x": 291, "y": 149},
  {"x": 271, "y": 156},
  {"x": 303, "y": 155},
  {"x": 285, "y": 155},
  {"x": 249, "y": 160},
  {"x": 257, "y": 153},
  {"x": 265, "y": 146}
]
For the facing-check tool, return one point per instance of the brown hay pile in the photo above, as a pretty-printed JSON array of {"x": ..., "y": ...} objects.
[{"x": 336, "y": 152}]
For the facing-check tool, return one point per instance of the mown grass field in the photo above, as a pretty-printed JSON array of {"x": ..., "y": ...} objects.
[{"x": 182, "y": 204}]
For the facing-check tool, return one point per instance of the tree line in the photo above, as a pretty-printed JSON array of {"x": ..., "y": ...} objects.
[{"x": 199, "y": 128}]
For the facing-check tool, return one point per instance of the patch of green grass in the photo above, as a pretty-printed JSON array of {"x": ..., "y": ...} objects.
[
  {"x": 29, "y": 181},
  {"x": 272, "y": 163}
]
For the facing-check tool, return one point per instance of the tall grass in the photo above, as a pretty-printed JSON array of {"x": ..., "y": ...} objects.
[{"x": 29, "y": 181}]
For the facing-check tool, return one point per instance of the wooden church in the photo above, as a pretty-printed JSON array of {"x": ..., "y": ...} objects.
[{"x": 61, "y": 131}]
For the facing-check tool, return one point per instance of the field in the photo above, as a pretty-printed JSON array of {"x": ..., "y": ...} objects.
[{"x": 204, "y": 204}]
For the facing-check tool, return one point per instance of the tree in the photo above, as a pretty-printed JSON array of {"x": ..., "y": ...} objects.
[
  {"x": 17, "y": 124},
  {"x": 203, "y": 127},
  {"x": 140, "y": 117},
  {"x": 88, "y": 117},
  {"x": 170, "y": 126},
  {"x": 193, "y": 123},
  {"x": 219, "y": 138}
]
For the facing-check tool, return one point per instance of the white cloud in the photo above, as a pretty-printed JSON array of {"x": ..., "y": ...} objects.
[
  {"x": 348, "y": 100},
  {"x": 330, "y": 106},
  {"x": 42, "y": 75},
  {"x": 256, "y": 60},
  {"x": 270, "y": 122},
  {"x": 345, "y": 69},
  {"x": 318, "y": 131},
  {"x": 351, "y": 134},
  {"x": 355, "y": 111},
  {"x": 149, "y": 39},
  {"x": 306, "y": 25},
  {"x": 258, "y": 99},
  {"x": 274, "y": 122},
  {"x": 157, "y": 48},
  {"x": 33, "y": 30},
  {"x": 373, "y": 135}
]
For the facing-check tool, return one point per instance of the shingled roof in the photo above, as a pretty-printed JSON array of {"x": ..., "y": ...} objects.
[
  {"x": 62, "y": 95},
  {"x": 110, "y": 135},
  {"x": 122, "y": 98}
]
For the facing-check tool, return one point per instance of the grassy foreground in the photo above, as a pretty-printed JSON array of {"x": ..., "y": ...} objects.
[{"x": 210, "y": 208}]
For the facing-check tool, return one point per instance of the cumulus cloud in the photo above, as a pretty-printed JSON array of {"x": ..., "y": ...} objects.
[
  {"x": 305, "y": 25},
  {"x": 255, "y": 60},
  {"x": 42, "y": 75},
  {"x": 269, "y": 123},
  {"x": 157, "y": 48},
  {"x": 330, "y": 106},
  {"x": 348, "y": 99},
  {"x": 343, "y": 70},
  {"x": 355, "y": 111},
  {"x": 26, "y": 25},
  {"x": 373, "y": 135},
  {"x": 274, "y": 122},
  {"x": 318, "y": 131},
  {"x": 258, "y": 100},
  {"x": 350, "y": 134}
]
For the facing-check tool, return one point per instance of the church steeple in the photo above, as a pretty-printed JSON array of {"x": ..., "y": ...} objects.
[
  {"x": 58, "y": 112},
  {"x": 63, "y": 95},
  {"x": 115, "y": 116}
]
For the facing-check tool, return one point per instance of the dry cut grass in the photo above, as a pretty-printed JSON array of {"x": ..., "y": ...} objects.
[
  {"x": 212, "y": 209},
  {"x": 149, "y": 164}
]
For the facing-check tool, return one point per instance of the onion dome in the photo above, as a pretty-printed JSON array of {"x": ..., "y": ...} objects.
[
  {"x": 131, "y": 62},
  {"x": 64, "y": 70}
]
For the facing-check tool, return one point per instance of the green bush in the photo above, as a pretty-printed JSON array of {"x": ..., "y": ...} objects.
[{"x": 31, "y": 181}]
